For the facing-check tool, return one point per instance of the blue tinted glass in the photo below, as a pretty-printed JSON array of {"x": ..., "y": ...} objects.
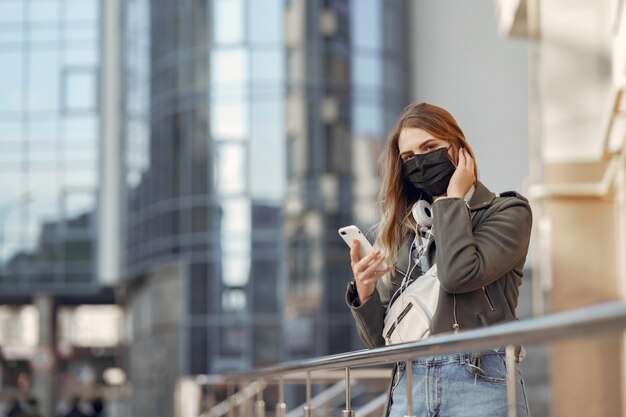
[
  {"x": 43, "y": 88},
  {"x": 228, "y": 21},
  {"x": 367, "y": 71},
  {"x": 267, "y": 65},
  {"x": 83, "y": 55},
  {"x": 80, "y": 90},
  {"x": 44, "y": 36},
  {"x": 80, "y": 127},
  {"x": 43, "y": 11},
  {"x": 11, "y": 81},
  {"x": 367, "y": 120},
  {"x": 267, "y": 150},
  {"x": 265, "y": 20},
  {"x": 81, "y": 9},
  {"x": 366, "y": 23},
  {"x": 12, "y": 11}
]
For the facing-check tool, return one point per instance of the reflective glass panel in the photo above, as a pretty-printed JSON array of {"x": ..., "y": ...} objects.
[
  {"x": 267, "y": 150},
  {"x": 267, "y": 65},
  {"x": 43, "y": 88},
  {"x": 230, "y": 160},
  {"x": 229, "y": 120},
  {"x": 82, "y": 9},
  {"x": 228, "y": 21},
  {"x": 43, "y": 11},
  {"x": 80, "y": 89},
  {"x": 366, "y": 23},
  {"x": 11, "y": 81},
  {"x": 12, "y": 11},
  {"x": 265, "y": 20}
]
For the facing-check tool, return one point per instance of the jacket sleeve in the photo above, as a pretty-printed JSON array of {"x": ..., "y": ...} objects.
[
  {"x": 369, "y": 318},
  {"x": 468, "y": 260}
]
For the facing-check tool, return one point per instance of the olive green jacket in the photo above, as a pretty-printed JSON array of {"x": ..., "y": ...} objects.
[{"x": 481, "y": 248}]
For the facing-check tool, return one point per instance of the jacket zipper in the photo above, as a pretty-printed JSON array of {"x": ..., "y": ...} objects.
[
  {"x": 398, "y": 320},
  {"x": 488, "y": 299}
]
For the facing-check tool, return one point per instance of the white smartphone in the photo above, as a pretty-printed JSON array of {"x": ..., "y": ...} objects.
[{"x": 352, "y": 233}]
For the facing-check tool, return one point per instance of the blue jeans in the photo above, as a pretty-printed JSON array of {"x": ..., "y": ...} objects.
[{"x": 463, "y": 385}]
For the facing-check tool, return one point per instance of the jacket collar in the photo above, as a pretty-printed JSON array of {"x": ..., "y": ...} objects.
[{"x": 482, "y": 197}]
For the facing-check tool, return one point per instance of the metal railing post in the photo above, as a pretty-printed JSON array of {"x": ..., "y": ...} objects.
[
  {"x": 511, "y": 380},
  {"x": 281, "y": 407},
  {"x": 260, "y": 404},
  {"x": 308, "y": 410},
  {"x": 231, "y": 399},
  {"x": 408, "y": 371},
  {"x": 348, "y": 412}
]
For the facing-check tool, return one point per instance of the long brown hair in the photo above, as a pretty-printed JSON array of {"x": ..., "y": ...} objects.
[{"x": 397, "y": 196}]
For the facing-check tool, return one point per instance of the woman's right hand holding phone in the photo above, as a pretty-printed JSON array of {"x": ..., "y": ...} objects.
[{"x": 366, "y": 271}]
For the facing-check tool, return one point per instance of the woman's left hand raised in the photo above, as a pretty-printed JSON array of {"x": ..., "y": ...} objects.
[{"x": 463, "y": 177}]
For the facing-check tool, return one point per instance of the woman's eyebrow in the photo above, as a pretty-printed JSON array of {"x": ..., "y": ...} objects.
[{"x": 427, "y": 142}]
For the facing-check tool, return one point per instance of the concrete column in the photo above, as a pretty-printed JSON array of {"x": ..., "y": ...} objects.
[
  {"x": 586, "y": 373},
  {"x": 43, "y": 361}
]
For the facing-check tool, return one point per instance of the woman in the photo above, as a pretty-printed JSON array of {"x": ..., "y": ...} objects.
[{"x": 478, "y": 243}]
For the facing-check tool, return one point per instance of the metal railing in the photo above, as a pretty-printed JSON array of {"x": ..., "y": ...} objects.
[{"x": 599, "y": 318}]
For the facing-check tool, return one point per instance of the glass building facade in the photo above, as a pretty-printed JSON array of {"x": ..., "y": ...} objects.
[
  {"x": 49, "y": 141},
  {"x": 205, "y": 162},
  {"x": 251, "y": 131}
]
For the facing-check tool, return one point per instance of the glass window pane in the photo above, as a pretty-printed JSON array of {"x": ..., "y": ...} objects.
[
  {"x": 265, "y": 20},
  {"x": 81, "y": 9},
  {"x": 80, "y": 152},
  {"x": 267, "y": 150},
  {"x": 366, "y": 24},
  {"x": 77, "y": 203},
  {"x": 80, "y": 56},
  {"x": 228, "y": 21},
  {"x": 229, "y": 121},
  {"x": 42, "y": 151},
  {"x": 231, "y": 166},
  {"x": 43, "y": 89},
  {"x": 12, "y": 38},
  {"x": 367, "y": 120},
  {"x": 12, "y": 10},
  {"x": 44, "y": 37},
  {"x": 80, "y": 127},
  {"x": 10, "y": 150},
  {"x": 81, "y": 33},
  {"x": 80, "y": 89},
  {"x": 367, "y": 71},
  {"x": 267, "y": 65},
  {"x": 80, "y": 177},
  {"x": 229, "y": 66},
  {"x": 10, "y": 131},
  {"x": 42, "y": 130},
  {"x": 11, "y": 81},
  {"x": 43, "y": 11},
  {"x": 235, "y": 221}
]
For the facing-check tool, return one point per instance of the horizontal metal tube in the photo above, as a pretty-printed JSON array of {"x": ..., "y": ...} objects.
[{"x": 599, "y": 318}]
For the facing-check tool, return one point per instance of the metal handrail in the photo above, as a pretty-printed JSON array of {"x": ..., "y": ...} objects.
[{"x": 599, "y": 318}]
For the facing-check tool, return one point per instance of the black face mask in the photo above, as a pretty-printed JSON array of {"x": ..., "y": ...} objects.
[{"x": 430, "y": 172}]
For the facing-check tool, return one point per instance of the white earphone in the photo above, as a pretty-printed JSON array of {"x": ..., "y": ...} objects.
[{"x": 422, "y": 213}]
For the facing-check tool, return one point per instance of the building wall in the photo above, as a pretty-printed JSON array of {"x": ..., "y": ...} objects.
[
  {"x": 155, "y": 354},
  {"x": 460, "y": 64},
  {"x": 49, "y": 161}
]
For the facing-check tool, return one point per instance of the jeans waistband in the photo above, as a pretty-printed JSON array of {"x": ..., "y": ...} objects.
[{"x": 459, "y": 357}]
